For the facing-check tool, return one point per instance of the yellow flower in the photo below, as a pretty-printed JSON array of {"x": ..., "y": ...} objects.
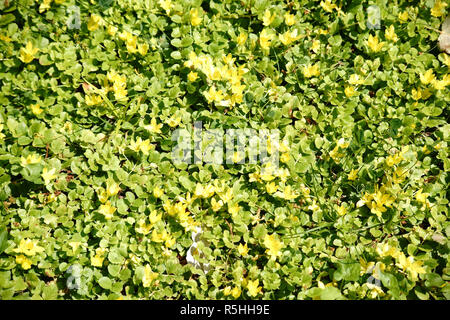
[
  {"x": 30, "y": 159},
  {"x": 446, "y": 59},
  {"x": 146, "y": 146},
  {"x": 241, "y": 38},
  {"x": 242, "y": 249},
  {"x": 273, "y": 246},
  {"x": 24, "y": 262},
  {"x": 29, "y": 247},
  {"x": 226, "y": 196},
  {"x": 341, "y": 210},
  {"x": 143, "y": 228},
  {"x": 94, "y": 22},
  {"x": 427, "y": 77},
  {"x": 131, "y": 43},
  {"x": 353, "y": 175},
  {"x": 195, "y": 19},
  {"x": 143, "y": 48},
  {"x": 112, "y": 189},
  {"x": 153, "y": 126},
  {"x": 5, "y": 38},
  {"x": 148, "y": 277},
  {"x": 354, "y": 79},
  {"x": 311, "y": 71},
  {"x": 403, "y": 17},
  {"x": 192, "y": 76},
  {"x": 389, "y": 33},
  {"x": 265, "y": 39},
  {"x": 413, "y": 267},
  {"x": 394, "y": 159},
  {"x": 154, "y": 217},
  {"x": 107, "y": 210},
  {"x": 289, "y": 19},
  {"x": 289, "y": 36},
  {"x": 328, "y": 6},
  {"x": 45, "y": 5},
  {"x": 416, "y": 94},
  {"x": 398, "y": 175},
  {"x": 234, "y": 209},
  {"x": 36, "y": 109},
  {"x": 268, "y": 18},
  {"x": 92, "y": 100},
  {"x": 252, "y": 287},
  {"x": 438, "y": 8},
  {"x": 216, "y": 205},
  {"x": 315, "y": 46},
  {"x": 271, "y": 187},
  {"x": 374, "y": 43},
  {"x": 157, "y": 192},
  {"x": 236, "y": 157},
  {"x": 112, "y": 30},
  {"x": 285, "y": 157},
  {"x": 167, "y": 5},
  {"x": 212, "y": 95},
  {"x": 380, "y": 202},
  {"x": 236, "y": 292},
  {"x": 439, "y": 84},
  {"x": 27, "y": 54},
  {"x": 204, "y": 191},
  {"x": 421, "y": 197},
  {"x": 97, "y": 259},
  {"x": 385, "y": 250},
  {"x": 349, "y": 91},
  {"x": 48, "y": 175}
]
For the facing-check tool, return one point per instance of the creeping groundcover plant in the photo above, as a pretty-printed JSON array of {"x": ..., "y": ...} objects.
[{"x": 251, "y": 149}]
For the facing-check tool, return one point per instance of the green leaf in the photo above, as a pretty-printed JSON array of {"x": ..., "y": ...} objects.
[
  {"x": 3, "y": 239},
  {"x": 105, "y": 283}
]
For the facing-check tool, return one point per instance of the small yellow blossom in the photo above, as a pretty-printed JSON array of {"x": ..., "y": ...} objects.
[
  {"x": 242, "y": 249},
  {"x": 28, "y": 247},
  {"x": 311, "y": 70},
  {"x": 253, "y": 288},
  {"x": 149, "y": 276},
  {"x": 438, "y": 8},
  {"x": 195, "y": 19},
  {"x": 241, "y": 38},
  {"x": 271, "y": 187},
  {"x": 36, "y": 109},
  {"x": 265, "y": 39},
  {"x": 328, "y": 6},
  {"x": 107, "y": 210},
  {"x": 157, "y": 192},
  {"x": 48, "y": 175},
  {"x": 28, "y": 53},
  {"x": 30, "y": 159},
  {"x": 353, "y": 175},
  {"x": 112, "y": 30},
  {"x": 374, "y": 44},
  {"x": 24, "y": 262},
  {"x": 403, "y": 16},
  {"x": 268, "y": 18},
  {"x": 92, "y": 100},
  {"x": 390, "y": 34},
  {"x": 94, "y": 22},
  {"x": 192, "y": 76},
  {"x": 273, "y": 245},
  {"x": 349, "y": 91},
  {"x": 289, "y": 19},
  {"x": 153, "y": 127},
  {"x": 427, "y": 77}
]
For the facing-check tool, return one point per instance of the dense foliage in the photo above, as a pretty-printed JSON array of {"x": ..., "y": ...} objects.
[{"x": 93, "y": 207}]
